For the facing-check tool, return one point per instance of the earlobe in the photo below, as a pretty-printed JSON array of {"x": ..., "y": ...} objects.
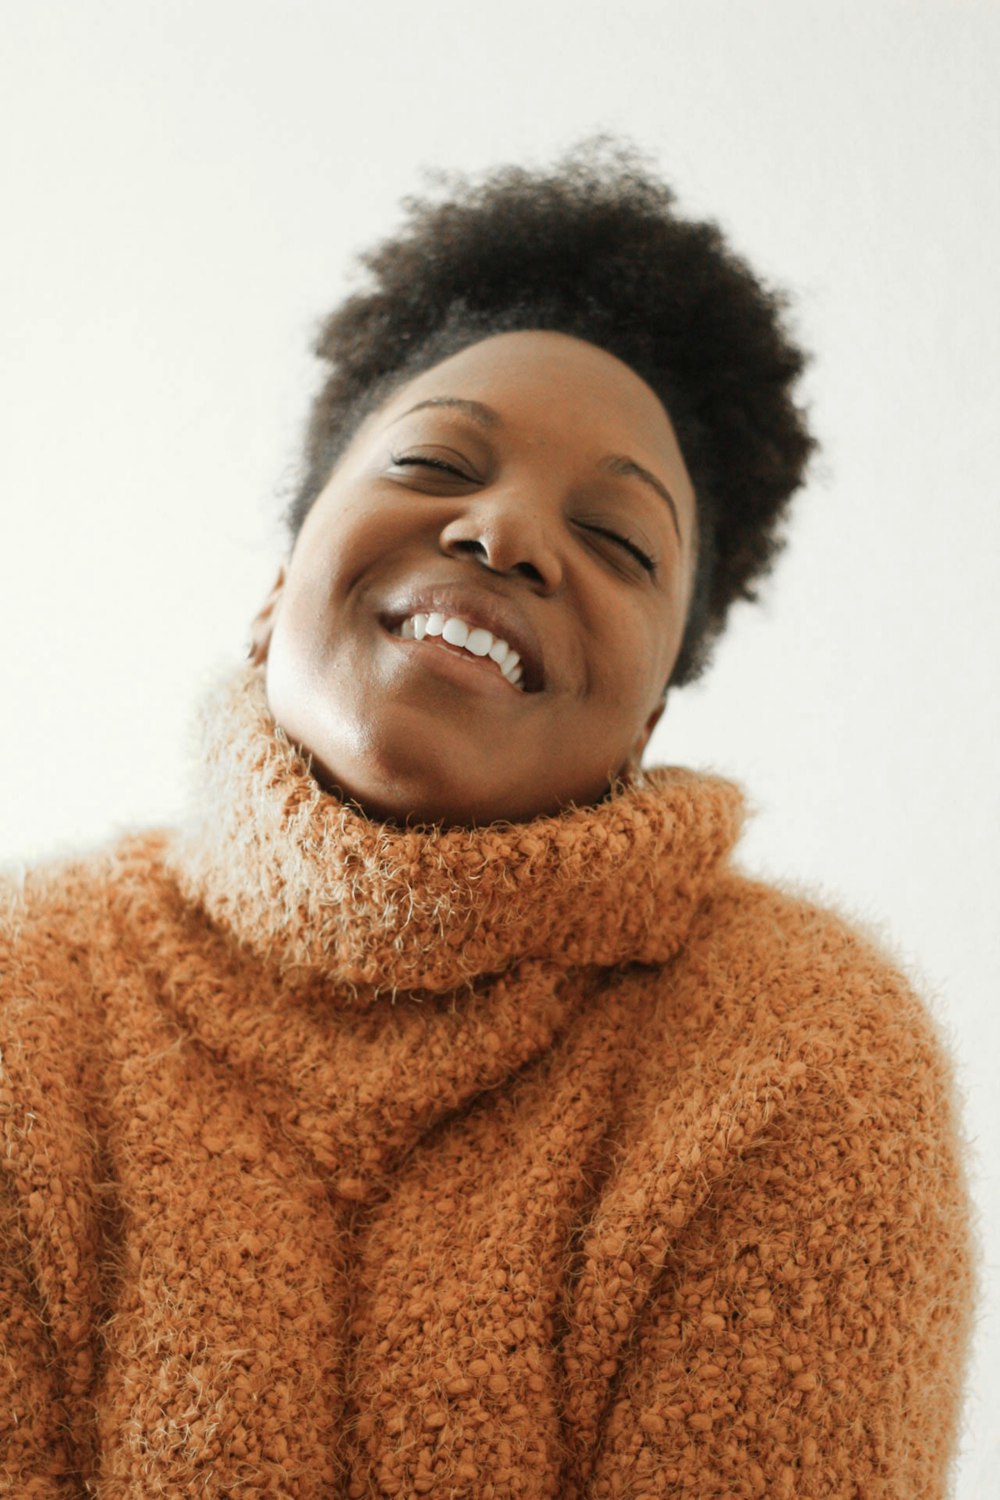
[{"x": 263, "y": 622}]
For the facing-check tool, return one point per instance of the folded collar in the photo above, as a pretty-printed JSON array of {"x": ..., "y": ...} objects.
[{"x": 307, "y": 880}]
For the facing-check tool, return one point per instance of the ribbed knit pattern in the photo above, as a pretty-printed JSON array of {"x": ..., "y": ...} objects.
[{"x": 542, "y": 1160}]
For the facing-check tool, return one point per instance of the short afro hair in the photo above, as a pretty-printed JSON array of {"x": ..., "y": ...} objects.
[{"x": 591, "y": 247}]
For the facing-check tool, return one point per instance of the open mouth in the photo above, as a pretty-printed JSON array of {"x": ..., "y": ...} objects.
[{"x": 460, "y": 638}]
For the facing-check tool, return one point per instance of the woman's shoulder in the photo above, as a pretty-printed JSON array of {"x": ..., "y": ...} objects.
[
  {"x": 57, "y": 912},
  {"x": 787, "y": 1020},
  {"x": 66, "y": 931},
  {"x": 55, "y": 882},
  {"x": 826, "y": 982}
]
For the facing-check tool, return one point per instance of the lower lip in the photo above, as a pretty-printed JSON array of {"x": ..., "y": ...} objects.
[{"x": 458, "y": 666}]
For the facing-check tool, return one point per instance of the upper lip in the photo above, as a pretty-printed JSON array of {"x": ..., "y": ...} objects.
[{"x": 476, "y": 606}]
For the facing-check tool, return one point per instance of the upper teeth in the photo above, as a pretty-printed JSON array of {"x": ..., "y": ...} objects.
[{"x": 471, "y": 638}]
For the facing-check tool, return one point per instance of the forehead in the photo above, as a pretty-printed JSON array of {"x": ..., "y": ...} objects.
[{"x": 560, "y": 381}]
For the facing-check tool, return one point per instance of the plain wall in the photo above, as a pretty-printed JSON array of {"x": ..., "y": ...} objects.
[{"x": 184, "y": 185}]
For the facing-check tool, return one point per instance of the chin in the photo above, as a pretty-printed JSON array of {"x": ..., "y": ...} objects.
[
  {"x": 389, "y": 790},
  {"x": 400, "y": 796},
  {"x": 404, "y": 769}
]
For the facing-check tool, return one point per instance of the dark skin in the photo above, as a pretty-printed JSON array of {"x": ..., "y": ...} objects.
[{"x": 522, "y": 520}]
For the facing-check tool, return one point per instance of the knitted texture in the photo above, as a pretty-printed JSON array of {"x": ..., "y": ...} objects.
[
  {"x": 431, "y": 908},
  {"x": 543, "y": 1160}
]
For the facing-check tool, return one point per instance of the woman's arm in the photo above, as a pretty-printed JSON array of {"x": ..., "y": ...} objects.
[
  {"x": 808, "y": 1335},
  {"x": 35, "y": 1450},
  {"x": 47, "y": 1221}
]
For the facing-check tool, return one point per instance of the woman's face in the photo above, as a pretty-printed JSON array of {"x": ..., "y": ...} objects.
[{"x": 530, "y": 487}]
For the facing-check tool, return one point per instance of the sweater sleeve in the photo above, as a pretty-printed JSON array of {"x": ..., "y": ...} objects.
[
  {"x": 35, "y": 1458},
  {"x": 45, "y": 1146},
  {"x": 808, "y": 1333}
]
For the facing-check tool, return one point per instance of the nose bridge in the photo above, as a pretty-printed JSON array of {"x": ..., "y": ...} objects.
[{"x": 509, "y": 533}]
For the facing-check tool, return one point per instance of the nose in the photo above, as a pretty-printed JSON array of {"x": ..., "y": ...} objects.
[{"x": 506, "y": 535}]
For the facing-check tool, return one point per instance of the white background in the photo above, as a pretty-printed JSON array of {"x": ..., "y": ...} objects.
[{"x": 183, "y": 187}]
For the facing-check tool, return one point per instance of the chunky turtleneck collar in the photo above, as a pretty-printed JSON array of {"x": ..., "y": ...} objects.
[{"x": 306, "y": 880}]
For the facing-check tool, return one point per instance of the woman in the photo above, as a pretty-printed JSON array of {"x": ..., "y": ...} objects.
[{"x": 440, "y": 1112}]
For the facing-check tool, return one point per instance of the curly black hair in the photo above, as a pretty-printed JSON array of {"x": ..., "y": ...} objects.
[{"x": 592, "y": 248}]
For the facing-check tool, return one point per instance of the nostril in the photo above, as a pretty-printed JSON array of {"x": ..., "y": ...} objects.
[{"x": 473, "y": 547}]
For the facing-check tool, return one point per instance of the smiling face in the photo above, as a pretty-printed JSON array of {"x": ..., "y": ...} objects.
[{"x": 530, "y": 487}]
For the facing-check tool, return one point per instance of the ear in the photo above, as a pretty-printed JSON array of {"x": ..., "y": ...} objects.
[
  {"x": 642, "y": 738},
  {"x": 263, "y": 622}
]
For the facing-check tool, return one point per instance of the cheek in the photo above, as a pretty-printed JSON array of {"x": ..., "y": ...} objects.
[
  {"x": 319, "y": 593},
  {"x": 637, "y": 664},
  {"x": 345, "y": 533},
  {"x": 302, "y": 627}
]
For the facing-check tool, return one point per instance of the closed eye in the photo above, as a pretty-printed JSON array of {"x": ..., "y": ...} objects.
[
  {"x": 641, "y": 557},
  {"x": 428, "y": 463}
]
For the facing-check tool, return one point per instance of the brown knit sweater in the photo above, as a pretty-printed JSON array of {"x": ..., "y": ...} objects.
[{"x": 555, "y": 1159}]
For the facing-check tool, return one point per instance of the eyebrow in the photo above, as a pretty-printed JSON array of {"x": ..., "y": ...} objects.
[
  {"x": 611, "y": 463},
  {"x": 484, "y": 415}
]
